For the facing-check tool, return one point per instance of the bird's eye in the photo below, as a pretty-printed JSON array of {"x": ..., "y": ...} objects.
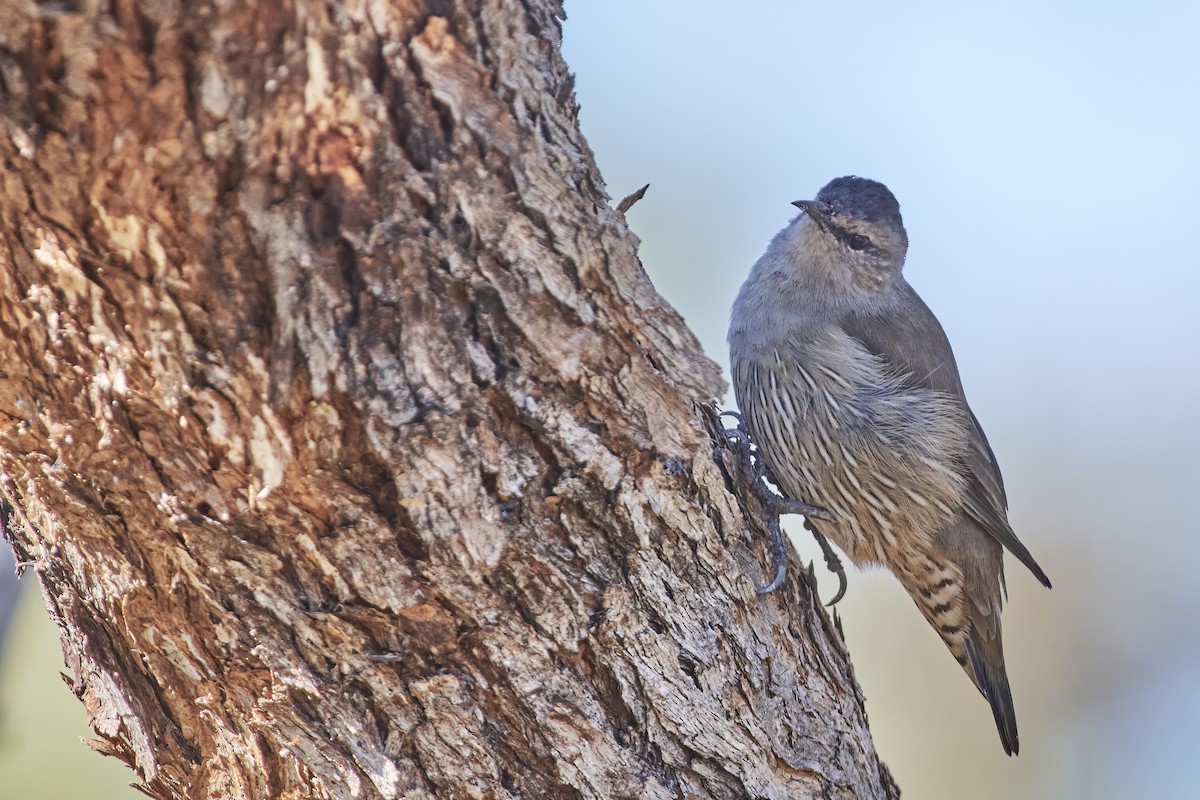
[{"x": 858, "y": 242}]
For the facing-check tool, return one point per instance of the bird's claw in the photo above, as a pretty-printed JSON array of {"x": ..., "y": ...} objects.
[
  {"x": 741, "y": 421},
  {"x": 832, "y": 562},
  {"x": 780, "y": 553}
]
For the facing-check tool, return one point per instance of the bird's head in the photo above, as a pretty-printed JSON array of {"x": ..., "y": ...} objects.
[{"x": 854, "y": 225}]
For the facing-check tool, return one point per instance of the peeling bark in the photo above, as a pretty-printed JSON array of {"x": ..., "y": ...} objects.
[{"x": 353, "y": 449}]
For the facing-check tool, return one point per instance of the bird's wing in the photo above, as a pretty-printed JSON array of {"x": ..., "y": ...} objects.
[{"x": 915, "y": 346}]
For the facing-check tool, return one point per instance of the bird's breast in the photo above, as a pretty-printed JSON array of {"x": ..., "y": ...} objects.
[{"x": 839, "y": 431}]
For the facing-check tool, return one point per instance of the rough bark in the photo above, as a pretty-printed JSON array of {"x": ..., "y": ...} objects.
[{"x": 352, "y": 447}]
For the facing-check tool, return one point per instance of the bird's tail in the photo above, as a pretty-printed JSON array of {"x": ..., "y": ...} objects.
[
  {"x": 985, "y": 665},
  {"x": 961, "y": 597}
]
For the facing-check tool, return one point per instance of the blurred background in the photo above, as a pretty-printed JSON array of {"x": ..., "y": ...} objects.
[{"x": 1047, "y": 160}]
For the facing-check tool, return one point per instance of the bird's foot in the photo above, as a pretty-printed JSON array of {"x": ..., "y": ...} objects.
[
  {"x": 754, "y": 470},
  {"x": 832, "y": 562}
]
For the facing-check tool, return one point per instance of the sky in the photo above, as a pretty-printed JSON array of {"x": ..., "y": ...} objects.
[{"x": 1045, "y": 159}]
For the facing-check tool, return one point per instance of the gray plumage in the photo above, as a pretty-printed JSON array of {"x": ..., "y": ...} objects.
[{"x": 850, "y": 390}]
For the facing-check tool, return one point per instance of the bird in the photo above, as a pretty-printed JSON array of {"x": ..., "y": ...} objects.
[{"x": 851, "y": 394}]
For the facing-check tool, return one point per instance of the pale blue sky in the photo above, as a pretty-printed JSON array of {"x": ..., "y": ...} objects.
[{"x": 1045, "y": 158}]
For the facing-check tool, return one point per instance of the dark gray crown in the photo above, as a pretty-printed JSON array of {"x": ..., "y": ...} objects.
[{"x": 861, "y": 198}]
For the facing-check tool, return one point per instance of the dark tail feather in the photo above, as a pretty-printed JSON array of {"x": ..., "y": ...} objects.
[{"x": 987, "y": 660}]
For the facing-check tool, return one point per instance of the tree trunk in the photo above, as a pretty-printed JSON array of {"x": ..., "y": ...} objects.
[{"x": 354, "y": 451}]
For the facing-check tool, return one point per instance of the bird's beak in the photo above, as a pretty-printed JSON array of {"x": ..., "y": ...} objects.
[{"x": 818, "y": 211}]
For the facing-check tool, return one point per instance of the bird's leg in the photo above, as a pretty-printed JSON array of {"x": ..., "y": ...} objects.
[
  {"x": 754, "y": 469},
  {"x": 737, "y": 439}
]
